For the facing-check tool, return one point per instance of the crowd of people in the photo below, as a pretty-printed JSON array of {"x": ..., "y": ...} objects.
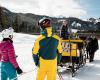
[{"x": 46, "y": 52}]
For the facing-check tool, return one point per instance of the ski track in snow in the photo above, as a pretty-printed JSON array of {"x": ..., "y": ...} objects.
[{"x": 23, "y": 44}]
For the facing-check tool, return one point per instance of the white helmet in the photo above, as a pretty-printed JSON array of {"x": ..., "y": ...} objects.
[{"x": 7, "y": 33}]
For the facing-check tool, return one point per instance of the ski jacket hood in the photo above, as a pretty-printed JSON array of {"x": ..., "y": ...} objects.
[{"x": 47, "y": 32}]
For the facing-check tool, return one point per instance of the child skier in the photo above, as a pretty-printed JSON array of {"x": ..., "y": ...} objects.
[{"x": 8, "y": 63}]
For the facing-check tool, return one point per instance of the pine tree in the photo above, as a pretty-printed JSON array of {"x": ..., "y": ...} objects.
[
  {"x": 23, "y": 27},
  {"x": 0, "y": 19},
  {"x": 4, "y": 21},
  {"x": 16, "y": 24}
]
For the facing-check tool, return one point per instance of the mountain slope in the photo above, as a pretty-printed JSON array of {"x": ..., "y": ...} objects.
[{"x": 28, "y": 22}]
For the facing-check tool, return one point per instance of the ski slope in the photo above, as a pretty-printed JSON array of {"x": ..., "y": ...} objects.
[{"x": 23, "y": 44}]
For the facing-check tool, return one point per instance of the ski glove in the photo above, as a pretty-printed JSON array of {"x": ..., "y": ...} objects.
[
  {"x": 19, "y": 71},
  {"x": 59, "y": 56},
  {"x": 36, "y": 59}
]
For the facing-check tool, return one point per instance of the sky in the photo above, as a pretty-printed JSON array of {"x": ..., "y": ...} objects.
[
  {"x": 92, "y": 7},
  {"x": 55, "y": 8}
]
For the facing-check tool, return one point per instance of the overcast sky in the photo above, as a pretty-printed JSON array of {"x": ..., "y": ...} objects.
[{"x": 55, "y": 8}]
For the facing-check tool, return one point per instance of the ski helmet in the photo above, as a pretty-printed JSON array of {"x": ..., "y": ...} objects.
[
  {"x": 7, "y": 33},
  {"x": 44, "y": 22}
]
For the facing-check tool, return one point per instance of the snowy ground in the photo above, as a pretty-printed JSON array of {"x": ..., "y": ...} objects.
[{"x": 23, "y": 47}]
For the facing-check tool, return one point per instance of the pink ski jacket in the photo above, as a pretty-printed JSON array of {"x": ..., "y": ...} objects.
[{"x": 7, "y": 53}]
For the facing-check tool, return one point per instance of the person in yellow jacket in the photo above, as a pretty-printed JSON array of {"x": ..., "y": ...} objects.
[{"x": 47, "y": 51}]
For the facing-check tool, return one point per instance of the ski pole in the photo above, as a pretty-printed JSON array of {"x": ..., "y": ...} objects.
[
  {"x": 24, "y": 73},
  {"x": 30, "y": 71}
]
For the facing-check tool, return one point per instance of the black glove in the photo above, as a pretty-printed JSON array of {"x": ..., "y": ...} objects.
[
  {"x": 36, "y": 59},
  {"x": 59, "y": 56},
  {"x": 19, "y": 71}
]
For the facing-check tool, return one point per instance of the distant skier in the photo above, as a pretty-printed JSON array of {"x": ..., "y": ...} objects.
[
  {"x": 92, "y": 47},
  {"x": 47, "y": 51},
  {"x": 8, "y": 63},
  {"x": 65, "y": 30}
]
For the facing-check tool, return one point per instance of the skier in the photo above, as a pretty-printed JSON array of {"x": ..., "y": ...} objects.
[
  {"x": 65, "y": 30},
  {"x": 47, "y": 51},
  {"x": 94, "y": 48},
  {"x": 8, "y": 63}
]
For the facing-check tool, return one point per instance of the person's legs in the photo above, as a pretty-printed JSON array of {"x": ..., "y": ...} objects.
[
  {"x": 87, "y": 54},
  {"x": 51, "y": 75},
  {"x": 47, "y": 68},
  {"x": 3, "y": 75},
  {"x": 41, "y": 74},
  {"x": 11, "y": 72},
  {"x": 92, "y": 56},
  {"x": 52, "y": 71}
]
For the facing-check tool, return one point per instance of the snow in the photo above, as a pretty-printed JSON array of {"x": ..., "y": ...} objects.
[{"x": 23, "y": 44}]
